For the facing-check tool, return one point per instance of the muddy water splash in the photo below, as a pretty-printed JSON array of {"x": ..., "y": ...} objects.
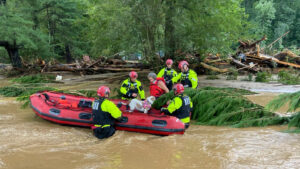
[{"x": 27, "y": 141}]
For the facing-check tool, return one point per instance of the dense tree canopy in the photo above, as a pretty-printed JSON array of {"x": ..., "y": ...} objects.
[{"x": 67, "y": 29}]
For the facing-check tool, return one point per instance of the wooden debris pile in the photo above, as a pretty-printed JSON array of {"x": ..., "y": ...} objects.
[
  {"x": 250, "y": 57},
  {"x": 85, "y": 66}
]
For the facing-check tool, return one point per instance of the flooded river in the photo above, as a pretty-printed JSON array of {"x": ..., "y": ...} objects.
[{"x": 27, "y": 141}]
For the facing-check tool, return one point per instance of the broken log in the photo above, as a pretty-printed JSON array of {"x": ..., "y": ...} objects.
[
  {"x": 209, "y": 67},
  {"x": 242, "y": 65},
  {"x": 288, "y": 56}
]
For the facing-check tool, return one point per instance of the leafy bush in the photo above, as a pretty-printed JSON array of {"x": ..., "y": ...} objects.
[
  {"x": 263, "y": 77},
  {"x": 288, "y": 77}
]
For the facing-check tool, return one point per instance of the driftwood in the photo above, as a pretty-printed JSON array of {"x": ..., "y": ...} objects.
[
  {"x": 209, "y": 67},
  {"x": 248, "y": 45},
  {"x": 241, "y": 65},
  {"x": 288, "y": 56},
  {"x": 84, "y": 66}
]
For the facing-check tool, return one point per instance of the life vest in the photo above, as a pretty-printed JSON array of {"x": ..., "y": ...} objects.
[
  {"x": 101, "y": 117},
  {"x": 131, "y": 87},
  {"x": 167, "y": 76},
  {"x": 184, "y": 79},
  {"x": 155, "y": 90},
  {"x": 185, "y": 109}
]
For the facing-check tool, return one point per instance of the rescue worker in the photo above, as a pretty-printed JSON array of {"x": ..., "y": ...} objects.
[
  {"x": 104, "y": 114},
  {"x": 157, "y": 85},
  {"x": 187, "y": 77},
  {"x": 131, "y": 87},
  {"x": 168, "y": 73},
  {"x": 181, "y": 106}
]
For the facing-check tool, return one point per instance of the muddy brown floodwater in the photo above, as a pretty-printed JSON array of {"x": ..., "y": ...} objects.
[{"x": 27, "y": 141}]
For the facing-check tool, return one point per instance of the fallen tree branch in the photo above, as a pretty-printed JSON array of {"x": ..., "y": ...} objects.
[{"x": 206, "y": 66}]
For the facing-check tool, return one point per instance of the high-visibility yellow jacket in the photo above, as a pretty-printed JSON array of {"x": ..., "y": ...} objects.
[
  {"x": 104, "y": 112},
  {"x": 167, "y": 74},
  {"x": 187, "y": 79},
  {"x": 128, "y": 88},
  {"x": 181, "y": 107}
]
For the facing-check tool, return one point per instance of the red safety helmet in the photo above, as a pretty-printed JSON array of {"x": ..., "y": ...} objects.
[
  {"x": 133, "y": 74},
  {"x": 103, "y": 90},
  {"x": 181, "y": 63},
  {"x": 178, "y": 88},
  {"x": 169, "y": 62}
]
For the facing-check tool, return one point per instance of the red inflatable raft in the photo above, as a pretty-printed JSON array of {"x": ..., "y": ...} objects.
[{"x": 76, "y": 110}]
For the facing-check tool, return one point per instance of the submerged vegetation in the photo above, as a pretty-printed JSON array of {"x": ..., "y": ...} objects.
[
  {"x": 293, "y": 100},
  {"x": 39, "y": 78}
]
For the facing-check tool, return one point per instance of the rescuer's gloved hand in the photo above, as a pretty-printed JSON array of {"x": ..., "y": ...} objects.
[{"x": 164, "y": 110}]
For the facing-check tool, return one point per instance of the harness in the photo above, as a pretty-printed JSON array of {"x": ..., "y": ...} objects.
[
  {"x": 184, "y": 79},
  {"x": 168, "y": 77},
  {"x": 133, "y": 89}
]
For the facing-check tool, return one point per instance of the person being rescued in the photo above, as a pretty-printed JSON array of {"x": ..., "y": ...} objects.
[
  {"x": 104, "y": 114},
  {"x": 181, "y": 106},
  {"x": 187, "y": 77},
  {"x": 131, "y": 87},
  {"x": 157, "y": 85},
  {"x": 168, "y": 73}
]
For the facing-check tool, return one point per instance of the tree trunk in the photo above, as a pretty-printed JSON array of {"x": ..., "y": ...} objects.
[
  {"x": 13, "y": 53},
  {"x": 170, "y": 43},
  {"x": 68, "y": 55}
]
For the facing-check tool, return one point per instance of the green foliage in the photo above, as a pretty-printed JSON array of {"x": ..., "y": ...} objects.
[
  {"x": 38, "y": 78},
  {"x": 273, "y": 18},
  {"x": 56, "y": 29},
  {"x": 263, "y": 77},
  {"x": 225, "y": 106},
  {"x": 291, "y": 98},
  {"x": 295, "y": 121},
  {"x": 43, "y": 28},
  {"x": 293, "y": 101},
  {"x": 288, "y": 77},
  {"x": 265, "y": 14},
  {"x": 11, "y": 91}
]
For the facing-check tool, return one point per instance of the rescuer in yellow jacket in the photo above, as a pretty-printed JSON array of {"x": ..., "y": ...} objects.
[
  {"x": 104, "y": 114},
  {"x": 131, "y": 87},
  {"x": 181, "y": 106},
  {"x": 187, "y": 77},
  {"x": 168, "y": 73}
]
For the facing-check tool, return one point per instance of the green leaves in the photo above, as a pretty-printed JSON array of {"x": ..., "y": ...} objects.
[
  {"x": 225, "y": 106},
  {"x": 292, "y": 99}
]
